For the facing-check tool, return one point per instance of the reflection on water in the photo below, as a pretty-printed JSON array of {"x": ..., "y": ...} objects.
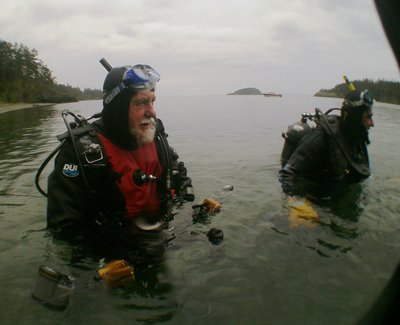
[
  {"x": 262, "y": 272},
  {"x": 147, "y": 298},
  {"x": 21, "y": 144}
]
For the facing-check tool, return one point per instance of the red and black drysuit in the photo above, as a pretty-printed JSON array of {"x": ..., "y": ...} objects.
[{"x": 111, "y": 195}]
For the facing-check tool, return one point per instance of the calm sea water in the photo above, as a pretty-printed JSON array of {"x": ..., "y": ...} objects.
[{"x": 262, "y": 272}]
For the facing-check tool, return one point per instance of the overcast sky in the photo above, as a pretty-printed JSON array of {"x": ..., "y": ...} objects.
[{"x": 206, "y": 46}]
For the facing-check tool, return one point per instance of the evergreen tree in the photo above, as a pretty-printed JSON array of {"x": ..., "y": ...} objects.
[
  {"x": 382, "y": 90},
  {"x": 25, "y": 78}
]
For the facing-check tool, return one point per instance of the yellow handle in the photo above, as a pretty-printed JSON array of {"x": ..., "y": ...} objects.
[
  {"x": 117, "y": 273},
  {"x": 212, "y": 205}
]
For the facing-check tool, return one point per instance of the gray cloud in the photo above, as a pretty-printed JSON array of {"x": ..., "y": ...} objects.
[{"x": 204, "y": 47}]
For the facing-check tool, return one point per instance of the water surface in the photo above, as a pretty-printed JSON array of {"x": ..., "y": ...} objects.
[{"x": 262, "y": 272}]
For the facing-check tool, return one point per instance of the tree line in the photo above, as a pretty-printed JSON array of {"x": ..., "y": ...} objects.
[
  {"x": 25, "y": 78},
  {"x": 382, "y": 90}
]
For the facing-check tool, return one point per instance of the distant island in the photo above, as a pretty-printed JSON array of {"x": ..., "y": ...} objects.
[
  {"x": 383, "y": 91},
  {"x": 247, "y": 91},
  {"x": 254, "y": 91}
]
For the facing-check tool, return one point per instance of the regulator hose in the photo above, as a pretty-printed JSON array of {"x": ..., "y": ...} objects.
[{"x": 43, "y": 165}]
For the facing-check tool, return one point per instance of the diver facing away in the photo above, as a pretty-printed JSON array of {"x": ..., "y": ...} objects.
[{"x": 335, "y": 151}]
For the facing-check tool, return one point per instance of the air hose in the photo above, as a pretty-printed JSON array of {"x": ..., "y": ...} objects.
[{"x": 43, "y": 165}]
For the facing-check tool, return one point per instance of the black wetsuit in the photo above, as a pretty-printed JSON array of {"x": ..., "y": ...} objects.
[{"x": 323, "y": 158}]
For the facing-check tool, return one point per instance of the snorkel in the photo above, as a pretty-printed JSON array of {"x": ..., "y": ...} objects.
[
  {"x": 349, "y": 83},
  {"x": 105, "y": 64}
]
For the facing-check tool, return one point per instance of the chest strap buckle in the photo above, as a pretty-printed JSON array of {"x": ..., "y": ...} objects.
[{"x": 93, "y": 154}]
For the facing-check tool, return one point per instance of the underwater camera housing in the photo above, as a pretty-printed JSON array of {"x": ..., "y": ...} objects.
[{"x": 52, "y": 287}]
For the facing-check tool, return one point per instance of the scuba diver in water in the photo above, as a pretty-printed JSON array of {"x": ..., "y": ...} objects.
[
  {"x": 334, "y": 152},
  {"x": 319, "y": 162},
  {"x": 117, "y": 174}
]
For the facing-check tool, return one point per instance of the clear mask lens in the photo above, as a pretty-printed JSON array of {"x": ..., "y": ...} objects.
[
  {"x": 367, "y": 99},
  {"x": 141, "y": 76}
]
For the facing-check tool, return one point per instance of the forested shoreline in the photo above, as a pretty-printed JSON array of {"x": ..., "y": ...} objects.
[
  {"x": 25, "y": 78},
  {"x": 382, "y": 90}
]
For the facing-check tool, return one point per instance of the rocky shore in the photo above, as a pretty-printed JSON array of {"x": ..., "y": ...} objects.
[{"x": 6, "y": 107}]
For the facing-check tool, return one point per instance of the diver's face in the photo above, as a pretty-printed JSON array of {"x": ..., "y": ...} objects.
[
  {"x": 366, "y": 119},
  {"x": 142, "y": 116}
]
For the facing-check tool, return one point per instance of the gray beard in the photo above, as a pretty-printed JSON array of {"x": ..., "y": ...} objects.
[{"x": 146, "y": 136}]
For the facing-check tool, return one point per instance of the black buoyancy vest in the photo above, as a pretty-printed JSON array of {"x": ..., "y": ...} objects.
[
  {"x": 91, "y": 155},
  {"x": 347, "y": 161}
]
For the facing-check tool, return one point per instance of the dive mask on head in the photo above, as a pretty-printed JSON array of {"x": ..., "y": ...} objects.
[
  {"x": 356, "y": 98},
  {"x": 140, "y": 77}
]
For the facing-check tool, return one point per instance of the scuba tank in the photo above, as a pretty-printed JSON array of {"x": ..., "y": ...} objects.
[{"x": 294, "y": 134}]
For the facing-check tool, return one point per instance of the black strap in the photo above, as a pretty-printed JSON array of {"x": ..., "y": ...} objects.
[{"x": 362, "y": 170}]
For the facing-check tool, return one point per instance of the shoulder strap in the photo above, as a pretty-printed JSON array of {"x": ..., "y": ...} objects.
[{"x": 330, "y": 125}]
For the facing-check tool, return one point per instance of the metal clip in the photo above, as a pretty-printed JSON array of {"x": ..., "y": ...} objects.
[{"x": 94, "y": 148}]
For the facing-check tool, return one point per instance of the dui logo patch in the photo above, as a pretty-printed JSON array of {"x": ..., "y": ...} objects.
[{"x": 70, "y": 170}]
